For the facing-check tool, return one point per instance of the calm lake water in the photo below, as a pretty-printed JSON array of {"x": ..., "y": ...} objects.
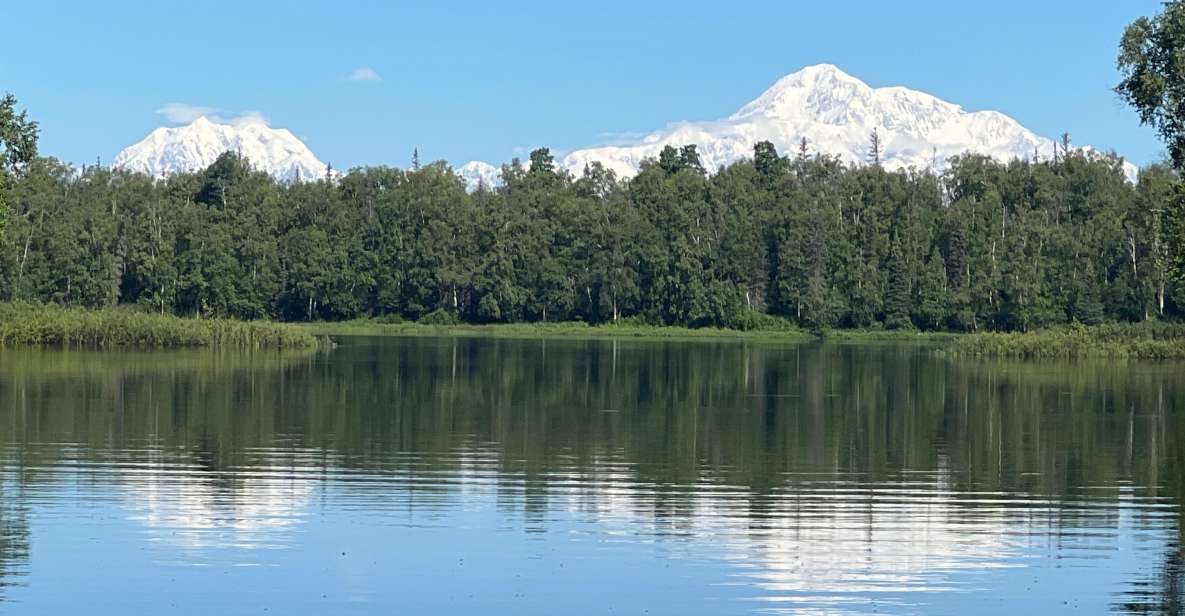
[{"x": 477, "y": 476}]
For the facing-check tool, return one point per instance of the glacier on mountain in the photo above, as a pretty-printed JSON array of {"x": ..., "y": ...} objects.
[
  {"x": 478, "y": 174},
  {"x": 833, "y": 111},
  {"x": 836, "y": 113}
]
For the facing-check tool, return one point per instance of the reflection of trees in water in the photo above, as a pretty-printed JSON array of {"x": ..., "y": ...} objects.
[
  {"x": 1161, "y": 592},
  {"x": 668, "y": 416},
  {"x": 14, "y": 535}
]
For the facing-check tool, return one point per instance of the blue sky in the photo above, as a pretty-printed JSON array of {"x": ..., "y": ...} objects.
[{"x": 489, "y": 80}]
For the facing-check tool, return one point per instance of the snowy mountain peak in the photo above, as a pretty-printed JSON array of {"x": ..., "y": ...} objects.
[
  {"x": 193, "y": 147},
  {"x": 477, "y": 174},
  {"x": 836, "y": 113}
]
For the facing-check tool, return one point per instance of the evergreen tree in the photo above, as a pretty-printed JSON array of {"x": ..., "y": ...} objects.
[
  {"x": 1088, "y": 309},
  {"x": 898, "y": 303},
  {"x": 933, "y": 307},
  {"x": 767, "y": 162}
]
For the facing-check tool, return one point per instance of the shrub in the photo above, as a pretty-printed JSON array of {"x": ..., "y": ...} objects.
[{"x": 439, "y": 317}]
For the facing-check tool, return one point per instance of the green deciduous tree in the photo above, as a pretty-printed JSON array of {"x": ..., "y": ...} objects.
[{"x": 18, "y": 146}]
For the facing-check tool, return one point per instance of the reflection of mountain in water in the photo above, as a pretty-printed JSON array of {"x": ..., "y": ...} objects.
[
  {"x": 193, "y": 507},
  {"x": 817, "y": 473}
]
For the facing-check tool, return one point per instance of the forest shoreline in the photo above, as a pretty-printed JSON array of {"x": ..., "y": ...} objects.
[
  {"x": 32, "y": 325},
  {"x": 570, "y": 330},
  {"x": 1152, "y": 340}
]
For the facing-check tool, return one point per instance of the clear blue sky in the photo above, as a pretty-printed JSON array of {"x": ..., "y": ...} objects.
[{"x": 488, "y": 80}]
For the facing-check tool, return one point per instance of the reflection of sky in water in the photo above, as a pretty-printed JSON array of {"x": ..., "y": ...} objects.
[
  {"x": 292, "y": 535},
  {"x": 443, "y": 476}
]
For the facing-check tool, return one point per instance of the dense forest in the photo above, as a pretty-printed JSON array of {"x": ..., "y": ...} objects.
[{"x": 776, "y": 240}]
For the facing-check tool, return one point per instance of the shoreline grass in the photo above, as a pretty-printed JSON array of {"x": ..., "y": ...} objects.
[
  {"x": 34, "y": 325},
  {"x": 364, "y": 327},
  {"x": 1110, "y": 341},
  {"x": 31, "y": 325},
  {"x": 887, "y": 335},
  {"x": 1136, "y": 341}
]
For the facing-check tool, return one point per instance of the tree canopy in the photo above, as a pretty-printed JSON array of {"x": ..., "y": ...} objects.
[
  {"x": 18, "y": 145},
  {"x": 769, "y": 241}
]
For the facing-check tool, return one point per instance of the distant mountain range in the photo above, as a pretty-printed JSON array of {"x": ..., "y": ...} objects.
[{"x": 835, "y": 112}]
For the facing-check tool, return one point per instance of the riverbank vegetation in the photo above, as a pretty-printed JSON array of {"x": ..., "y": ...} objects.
[
  {"x": 629, "y": 328},
  {"x": 24, "y": 324},
  {"x": 1136, "y": 341}
]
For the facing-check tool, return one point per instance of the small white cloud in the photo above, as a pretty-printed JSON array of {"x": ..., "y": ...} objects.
[
  {"x": 249, "y": 117},
  {"x": 365, "y": 73},
  {"x": 184, "y": 113}
]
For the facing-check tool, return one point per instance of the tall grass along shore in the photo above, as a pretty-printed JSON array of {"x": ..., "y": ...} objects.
[
  {"x": 361, "y": 327},
  {"x": 51, "y": 326},
  {"x": 1142, "y": 341},
  {"x": 24, "y": 325}
]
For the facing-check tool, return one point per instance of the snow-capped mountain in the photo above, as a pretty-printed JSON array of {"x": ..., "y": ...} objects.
[
  {"x": 477, "y": 173},
  {"x": 837, "y": 114},
  {"x": 189, "y": 148}
]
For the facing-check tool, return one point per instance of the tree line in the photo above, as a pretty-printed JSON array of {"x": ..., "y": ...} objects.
[
  {"x": 773, "y": 240},
  {"x": 776, "y": 240}
]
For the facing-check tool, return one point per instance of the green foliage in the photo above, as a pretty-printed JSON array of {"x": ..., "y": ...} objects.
[
  {"x": 439, "y": 317},
  {"x": 1154, "y": 75},
  {"x": 24, "y": 324},
  {"x": 18, "y": 136},
  {"x": 18, "y": 146},
  {"x": 1174, "y": 238},
  {"x": 751, "y": 320},
  {"x": 933, "y": 308},
  {"x": 898, "y": 303},
  {"x": 388, "y": 319},
  {"x": 768, "y": 244},
  {"x": 1154, "y": 85},
  {"x": 1089, "y": 307},
  {"x": 1145, "y": 341}
]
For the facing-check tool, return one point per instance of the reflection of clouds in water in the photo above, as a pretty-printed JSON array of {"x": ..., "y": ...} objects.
[
  {"x": 838, "y": 540},
  {"x": 195, "y": 508},
  {"x": 821, "y": 539},
  {"x": 847, "y": 539}
]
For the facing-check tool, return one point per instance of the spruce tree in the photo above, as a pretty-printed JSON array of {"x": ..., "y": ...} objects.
[
  {"x": 874, "y": 148},
  {"x": 933, "y": 308},
  {"x": 1088, "y": 309},
  {"x": 766, "y": 160},
  {"x": 898, "y": 303}
]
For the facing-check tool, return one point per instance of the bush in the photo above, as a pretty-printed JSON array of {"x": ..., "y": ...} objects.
[
  {"x": 751, "y": 320},
  {"x": 439, "y": 317}
]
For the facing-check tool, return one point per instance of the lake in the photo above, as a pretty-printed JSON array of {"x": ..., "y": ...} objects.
[{"x": 497, "y": 476}]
